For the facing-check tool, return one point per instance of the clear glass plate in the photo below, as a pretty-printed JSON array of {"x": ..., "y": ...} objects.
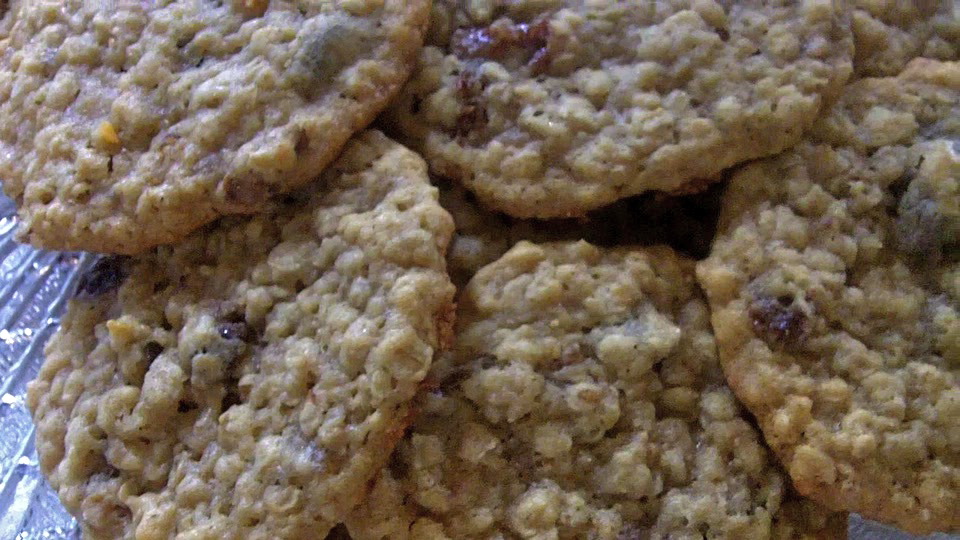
[{"x": 34, "y": 288}]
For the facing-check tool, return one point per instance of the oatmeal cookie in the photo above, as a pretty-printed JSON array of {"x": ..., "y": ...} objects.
[
  {"x": 124, "y": 125},
  {"x": 554, "y": 108},
  {"x": 889, "y": 33},
  {"x": 249, "y": 382},
  {"x": 835, "y": 287},
  {"x": 583, "y": 399}
]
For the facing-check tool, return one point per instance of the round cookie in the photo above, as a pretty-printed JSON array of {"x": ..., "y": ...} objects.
[
  {"x": 124, "y": 125},
  {"x": 249, "y": 382},
  {"x": 554, "y": 108},
  {"x": 583, "y": 399},
  {"x": 889, "y": 33},
  {"x": 834, "y": 282}
]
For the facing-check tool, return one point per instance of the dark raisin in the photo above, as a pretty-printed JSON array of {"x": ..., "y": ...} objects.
[
  {"x": 468, "y": 87},
  {"x": 329, "y": 51},
  {"x": 235, "y": 331},
  {"x": 185, "y": 406},
  {"x": 479, "y": 42},
  {"x": 534, "y": 36},
  {"x": 502, "y": 38},
  {"x": 898, "y": 188},
  {"x": 151, "y": 350},
  {"x": 106, "y": 275},
  {"x": 159, "y": 286},
  {"x": 248, "y": 190},
  {"x": 486, "y": 361},
  {"x": 303, "y": 142},
  {"x": 231, "y": 395},
  {"x": 780, "y": 322},
  {"x": 471, "y": 117},
  {"x": 473, "y": 114},
  {"x": 338, "y": 533},
  {"x": 535, "y": 39},
  {"x": 250, "y": 8}
]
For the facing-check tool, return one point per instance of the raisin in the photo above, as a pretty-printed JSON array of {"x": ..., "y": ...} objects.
[
  {"x": 468, "y": 86},
  {"x": 247, "y": 191},
  {"x": 486, "y": 361},
  {"x": 235, "y": 331},
  {"x": 535, "y": 39},
  {"x": 250, "y": 8},
  {"x": 329, "y": 51},
  {"x": 780, "y": 322},
  {"x": 231, "y": 395},
  {"x": 185, "y": 406},
  {"x": 338, "y": 533},
  {"x": 151, "y": 350},
  {"x": 473, "y": 115},
  {"x": 106, "y": 275},
  {"x": 473, "y": 42},
  {"x": 502, "y": 38},
  {"x": 470, "y": 118},
  {"x": 303, "y": 142}
]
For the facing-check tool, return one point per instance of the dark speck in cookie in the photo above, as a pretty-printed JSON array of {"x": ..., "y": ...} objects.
[
  {"x": 330, "y": 50},
  {"x": 105, "y": 276},
  {"x": 235, "y": 331},
  {"x": 152, "y": 350},
  {"x": 780, "y": 322}
]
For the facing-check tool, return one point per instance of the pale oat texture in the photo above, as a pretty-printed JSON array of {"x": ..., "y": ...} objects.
[
  {"x": 124, "y": 124},
  {"x": 248, "y": 382},
  {"x": 889, "y": 33},
  {"x": 548, "y": 108},
  {"x": 835, "y": 288},
  {"x": 583, "y": 399}
]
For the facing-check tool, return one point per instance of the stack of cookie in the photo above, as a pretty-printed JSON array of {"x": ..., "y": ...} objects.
[{"x": 617, "y": 270}]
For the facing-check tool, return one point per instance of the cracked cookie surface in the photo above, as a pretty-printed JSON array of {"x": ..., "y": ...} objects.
[
  {"x": 583, "y": 399},
  {"x": 249, "y": 382},
  {"x": 124, "y": 125},
  {"x": 835, "y": 287},
  {"x": 554, "y": 108}
]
